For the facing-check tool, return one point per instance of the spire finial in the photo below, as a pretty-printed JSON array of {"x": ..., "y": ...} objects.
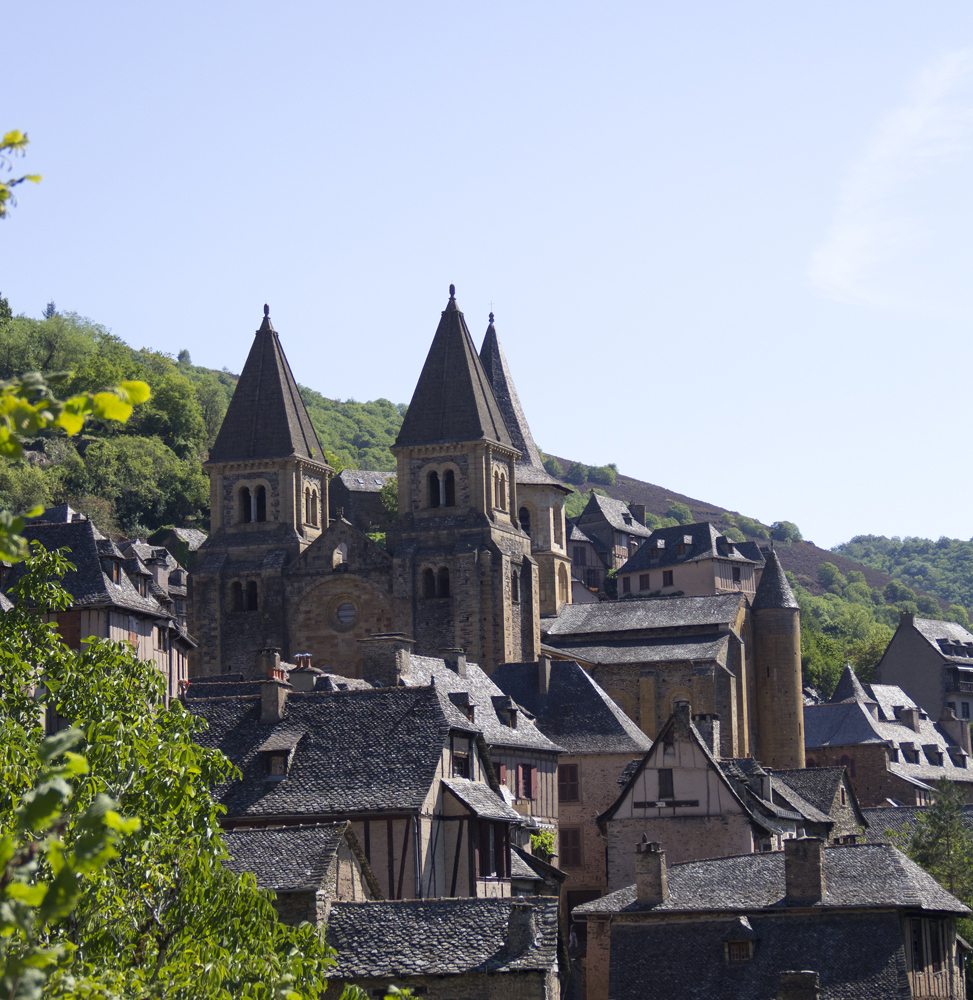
[
  {"x": 491, "y": 319},
  {"x": 452, "y": 291},
  {"x": 266, "y": 309}
]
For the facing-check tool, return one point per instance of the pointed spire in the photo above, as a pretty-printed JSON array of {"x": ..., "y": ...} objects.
[
  {"x": 849, "y": 687},
  {"x": 774, "y": 590},
  {"x": 453, "y": 400},
  {"x": 266, "y": 417},
  {"x": 495, "y": 365}
]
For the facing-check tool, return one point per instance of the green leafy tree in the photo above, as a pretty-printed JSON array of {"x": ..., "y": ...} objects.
[
  {"x": 577, "y": 472},
  {"x": 553, "y": 466},
  {"x": 734, "y": 534},
  {"x": 388, "y": 497},
  {"x": 829, "y": 575},
  {"x": 605, "y": 474},
  {"x": 896, "y": 591},
  {"x": 785, "y": 531},
  {"x": 679, "y": 511},
  {"x": 11, "y": 145},
  {"x": 752, "y": 528}
]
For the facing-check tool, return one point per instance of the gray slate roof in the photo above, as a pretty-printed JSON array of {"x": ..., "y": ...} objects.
[
  {"x": 854, "y": 875},
  {"x": 700, "y": 541},
  {"x": 662, "y": 650},
  {"x": 530, "y": 468},
  {"x": 901, "y": 820},
  {"x": 266, "y": 417},
  {"x": 363, "y": 480},
  {"x": 481, "y": 800},
  {"x": 939, "y": 634},
  {"x": 453, "y": 400},
  {"x": 193, "y": 537},
  {"x": 441, "y": 937},
  {"x": 296, "y": 857},
  {"x": 481, "y": 690},
  {"x": 817, "y": 785},
  {"x": 774, "y": 591},
  {"x": 360, "y": 751},
  {"x": 576, "y": 713},
  {"x": 614, "y": 512},
  {"x": 638, "y": 615}
]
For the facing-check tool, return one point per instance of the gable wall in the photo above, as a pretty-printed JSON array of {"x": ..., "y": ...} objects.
[{"x": 912, "y": 664}]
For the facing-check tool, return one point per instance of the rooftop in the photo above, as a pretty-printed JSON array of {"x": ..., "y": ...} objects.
[
  {"x": 685, "y": 543},
  {"x": 295, "y": 857},
  {"x": 640, "y": 615},
  {"x": 615, "y": 512}
]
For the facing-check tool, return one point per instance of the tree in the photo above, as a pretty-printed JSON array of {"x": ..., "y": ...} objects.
[
  {"x": 553, "y": 466},
  {"x": 388, "y": 497},
  {"x": 577, "y": 473},
  {"x": 785, "y": 531},
  {"x": 829, "y": 575},
  {"x": 183, "y": 357},
  {"x": 50, "y": 310},
  {"x": 605, "y": 474},
  {"x": 680, "y": 512},
  {"x": 13, "y": 144}
]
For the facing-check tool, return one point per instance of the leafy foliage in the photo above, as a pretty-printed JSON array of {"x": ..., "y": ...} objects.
[
  {"x": 785, "y": 531},
  {"x": 543, "y": 844},
  {"x": 679, "y": 513},
  {"x": 12, "y": 144},
  {"x": 357, "y": 435}
]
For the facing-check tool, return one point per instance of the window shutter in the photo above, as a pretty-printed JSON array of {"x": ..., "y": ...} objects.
[
  {"x": 532, "y": 782},
  {"x": 69, "y": 627},
  {"x": 502, "y": 773},
  {"x": 520, "y": 781}
]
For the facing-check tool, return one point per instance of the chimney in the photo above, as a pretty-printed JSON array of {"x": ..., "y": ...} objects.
[
  {"x": 543, "y": 674},
  {"x": 651, "y": 883},
  {"x": 455, "y": 658},
  {"x": 709, "y": 729},
  {"x": 907, "y": 618},
  {"x": 520, "y": 927},
  {"x": 638, "y": 512},
  {"x": 955, "y": 729},
  {"x": 910, "y": 717},
  {"x": 386, "y": 658},
  {"x": 683, "y": 714},
  {"x": 268, "y": 663},
  {"x": 798, "y": 986},
  {"x": 273, "y": 700},
  {"x": 804, "y": 871}
]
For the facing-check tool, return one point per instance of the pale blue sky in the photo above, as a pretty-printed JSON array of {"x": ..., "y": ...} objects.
[{"x": 729, "y": 245}]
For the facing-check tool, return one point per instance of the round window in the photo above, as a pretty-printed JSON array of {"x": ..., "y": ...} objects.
[
  {"x": 346, "y": 613},
  {"x": 342, "y": 612}
]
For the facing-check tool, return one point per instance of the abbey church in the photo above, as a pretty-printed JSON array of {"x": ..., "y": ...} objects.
[{"x": 477, "y": 560}]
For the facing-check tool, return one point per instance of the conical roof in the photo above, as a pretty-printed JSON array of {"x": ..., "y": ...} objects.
[
  {"x": 530, "y": 468},
  {"x": 453, "y": 400},
  {"x": 774, "y": 590},
  {"x": 266, "y": 417},
  {"x": 849, "y": 687}
]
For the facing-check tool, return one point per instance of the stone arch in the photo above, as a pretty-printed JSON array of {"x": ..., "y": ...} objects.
[
  {"x": 449, "y": 488},
  {"x": 524, "y": 516},
  {"x": 236, "y": 596},
  {"x": 244, "y": 505},
  {"x": 433, "y": 492},
  {"x": 428, "y": 582},
  {"x": 251, "y": 601},
  {"x": 442, "y": 582}
]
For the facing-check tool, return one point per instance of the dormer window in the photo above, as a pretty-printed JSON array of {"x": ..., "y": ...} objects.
[
  {"x": 680, "y": 549},
  {"x": 654, "y": 552},
  {"x": 277, "y": 764},
  {"x": 461, "y": 765},
  {"x": 739, "y": 951}
]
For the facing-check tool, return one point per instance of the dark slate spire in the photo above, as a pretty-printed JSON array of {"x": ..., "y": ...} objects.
[
  {"x": 849, "y": 687},
  {"x": 495, "y": 365},
  {"x": 453, "y": 400},
  {"x": 266, "y": 417},
  {"x": 774, "y": 590}
]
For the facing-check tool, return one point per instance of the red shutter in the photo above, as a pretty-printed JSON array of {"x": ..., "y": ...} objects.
[
  {"x": 69, "y": 628},
  {"x": 532, "y": 782},
  {"x": 502, "y": 773},
  {"x": 520, "y": 781}
]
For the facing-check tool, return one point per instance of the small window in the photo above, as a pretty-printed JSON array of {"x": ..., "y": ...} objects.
[
  {"x": 736, "y": 574},
  {"x": 246, "y": 508},
  {"x": 810, "y": 762},
  {"x": 450, "y": 488},
  {"x": 236, "y": 590},
  {"x": 965, "y": 707},
  {"x": 461, "y": 765},
  {"x": 514, "y": 587},
  {"x": 251, "y": 595},
  {"x": 526, "y": 781},
  {"x": 680, "y": 549},
  {"x": 738, "y": 951},
  {"x": 346, "y": 613},
  {"x": 433, "y": 489},
  {"x": 653, "y": 553},
  {"x": 665, "y": 783},
  {"x": 558, "y": 525},
  {"x": 503, "y": 492},
  {"x": 524, "y": 516},
  {"x": 428, "y": 583},
  {"x": 568, "y": 789},
  {"x": 643, "y": 581},
  {"x": 277, "y": 764},
  {"x": 570, "y": 842},
  {"x": 844, "y": 797},
  {"x": 667, "y": 578},
  {"x": 261, "y": 503},
  {"x": 443, "y": 582},
  {"x": 579, "y": 555},
  {"x": 626, "y": 585},
  {"x": 849, "y": 762}
]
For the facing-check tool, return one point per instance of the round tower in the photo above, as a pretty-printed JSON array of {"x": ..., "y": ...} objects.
[{"x": 777, "y": 670}]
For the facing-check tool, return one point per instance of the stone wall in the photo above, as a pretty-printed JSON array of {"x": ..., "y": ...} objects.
[{"x": 295, "y": 906}]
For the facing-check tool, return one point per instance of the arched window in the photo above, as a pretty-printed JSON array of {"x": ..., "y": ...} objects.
[
  {"x": 261, "y": 503},
  {"x": 339, "y": 555},
  {"x": 433, "y": 489},
  {"x": 558, "y": 525},
  {"x": 428, "y": 583},
  {"x": 514, "y": 587},
  {"x": 503, "y": 492},
  {"x": 848, "y": 762},
  {"x": 810, "y": 762},
  {"x": 444, "y": 582},
  {"x": 246, "y": 512},
  {"x": 314, "y": 508},
  {"x": 449, "y": 484},
  {"x": 237, "y": 593},
  {"x": 307, "y": 504},
  {"x": 562, "y": 585},
  {"x": 525, "y": 520},
  {"x": 251, "y": 595}
]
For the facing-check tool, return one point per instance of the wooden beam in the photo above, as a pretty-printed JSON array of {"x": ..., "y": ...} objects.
[{"x": 459, "y": 850}]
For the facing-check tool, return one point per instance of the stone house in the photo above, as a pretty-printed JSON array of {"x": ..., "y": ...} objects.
[
  {"x": 892, "y": 749},
  {"x": 404, "y": 765},
  {"x": 180, "y": 543},
  {"x": 806, "y": 923},
  {"x": 168, "y": 579},
  {"x": 694, "y": 559},
  {"x": 115, "y": 595},
  {"x": 569, "y": 707},
  {"x": 932, "y": 662},
  {"x": 477, "y": 949},
  {"x": 617, "y": 529},
  {"x": 307, "y": 867},
  {"x": 354, "y": 494},
  {"x": 589, "y": 558}
]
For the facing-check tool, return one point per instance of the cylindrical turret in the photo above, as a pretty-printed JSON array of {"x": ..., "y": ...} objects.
[{"x": 777, "y": 670}]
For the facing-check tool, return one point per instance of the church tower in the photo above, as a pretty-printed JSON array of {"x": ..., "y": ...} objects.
[
  {"x": 460, "y": 556},
  {"x": 540, "y": 497},
  {"x": 268, "y": 502},
  {"x": 777, "y": 670}
]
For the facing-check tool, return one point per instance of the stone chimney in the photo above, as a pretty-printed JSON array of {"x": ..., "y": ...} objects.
[
  {"x": 543, "y": 674},
  {"x": 455, "y": 658},
  {"x": 520, "y": 927},
  {"x": 910, "y": 717},
  {"x": 798, "y": 986},
  {"x": 268, "y": 663},
  {"x": 651, "y": 883},
  {"x": 386, "y": 658},
  {"x": 637, "y": 511},
  {"x": 708, "y": 725},
  {"x": 273, "y": 700},
  {"x": 955, "y": 729},
  {"x": 683, "y": 714},
  {"x": 907, "y": 618},
  {"x": 804, "y": 871}
]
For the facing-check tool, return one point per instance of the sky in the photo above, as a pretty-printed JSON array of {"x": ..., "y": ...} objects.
[{"x": 728, "y": 246}]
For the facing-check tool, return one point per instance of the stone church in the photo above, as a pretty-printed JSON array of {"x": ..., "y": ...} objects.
[{"x": 476, "y": 555}]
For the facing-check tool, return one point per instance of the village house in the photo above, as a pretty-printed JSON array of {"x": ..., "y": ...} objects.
[
  {"x": 477, "y": 949},
  {"x": 168, "y": 582},
  {"x": 599, "y": 739},
  {"x": 892, "y": 749},
  {"x": 589, "y": 559},
  {"x": 615, "y": 531},
  {"x": 805, "y": 923},
  {"x": 691, "y": 559},
  {"x": 932, "y": 662},
  {"x": 355, "y": 495}
]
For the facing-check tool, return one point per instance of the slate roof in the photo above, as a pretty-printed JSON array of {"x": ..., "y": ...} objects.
[
  {"x": 441, "y": 937},
  {"x": 901, "y": 820},
  {"x": 857, "y": 956},
  {"x": 949, "y": 639},
  {"x": 817, "y": 785},
  {"x": 774, "y": 591},
  {"x": 576, "y": 534},
  {"x": 193, "y": 537},
  {"x": 661, "y": 650},
  {"x": 295, "y": 857},
  {"x": 266, "y": 417},
  {"x": 453, "y": 400},
  {"x": 482, "y": 800},
  {"x": 849, "y": 686},
  {"x": 361, "y": 751},
  {"x": 639, "y": 615},
  {"x": 700, "y": 541},
  {"x": 530, "y": 467},
  {"x": 481, "y": 690},
  {"x": 854, "y": 876},
  {"x": 88, "y": 584},
  {"x": 363, "y": 480},
  {"x": 576, "y": 713},
  {"x": 614, "y": 512}
]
